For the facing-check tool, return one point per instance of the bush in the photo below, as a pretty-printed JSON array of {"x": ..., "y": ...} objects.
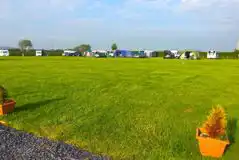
[
  {"x": 158, "y": 54},
  {"x": 203, "y": 55},
  {"x": 228, "y": 55},
  {"x": 15, "y": 52},
  {"x": 31, "y": 52},
  {"x": 18, "y": 52},
  {"x": 54, "y": 52},
  {"x": 216, "y": 123}
]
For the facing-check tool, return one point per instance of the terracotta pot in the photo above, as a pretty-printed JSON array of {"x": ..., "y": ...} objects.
[
  {"x": 3, "y": 123},
  {"x": 7, "y": 107},
  {"x": 211, "y": 147}
]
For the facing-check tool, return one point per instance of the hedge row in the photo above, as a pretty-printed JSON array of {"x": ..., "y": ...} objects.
[{"x": 18, "y": 52}]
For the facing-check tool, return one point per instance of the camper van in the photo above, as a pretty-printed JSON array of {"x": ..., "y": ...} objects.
[
  {"x": 212, "y": 54},
  {"x": 110, "y": 53},
  {"x": 171, "y": 54},
  {"x": 70, "y": 53},
  {"x": 4, "y": 52},
  {"x": 148, "y": 53},
  {"x": 41, "y": 52},
  {"x": 38, "y": 52},
  {"x": 99, "y": 53}
]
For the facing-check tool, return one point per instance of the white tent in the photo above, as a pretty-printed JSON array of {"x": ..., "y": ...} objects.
[
  {"x": 4, "y": 52},
  {"x": 212, "y": 54},
  {"x": 190, "y": 55},
  {"x": 88, "y": 54}
]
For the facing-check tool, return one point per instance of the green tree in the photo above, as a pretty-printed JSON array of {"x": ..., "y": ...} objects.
[
  {"x": 83, "y": 48},
  {"x": 114, "y": 46},
  {"x": 25, "y": 45}
]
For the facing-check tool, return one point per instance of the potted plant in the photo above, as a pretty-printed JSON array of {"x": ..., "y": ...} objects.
[
  {"x": 212, "y": 136},
  {"x": 6, "y": 105}
]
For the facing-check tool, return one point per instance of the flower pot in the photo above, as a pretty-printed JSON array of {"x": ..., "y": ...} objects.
[
  {"x": 7, "y": 107},
  {"x": 3, "y": 123},
  {"x": 211, "y": 147}
]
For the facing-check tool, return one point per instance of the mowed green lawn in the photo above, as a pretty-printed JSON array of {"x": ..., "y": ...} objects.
[{"x": 124, "y": 108}]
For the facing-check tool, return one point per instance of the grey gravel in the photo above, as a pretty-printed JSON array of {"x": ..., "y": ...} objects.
[{"x": 19, "y": 145}]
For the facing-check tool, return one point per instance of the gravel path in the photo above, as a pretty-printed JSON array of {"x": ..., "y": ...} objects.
[{"x": 23, "y": 146}]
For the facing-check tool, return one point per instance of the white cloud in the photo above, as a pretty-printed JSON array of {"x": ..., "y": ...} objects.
[
  {"x": 213, "y": 5},
  {"x": 69, "y": 5},
  {"x": 217, "y": 13},
  {"x": 30, "y": 9}
]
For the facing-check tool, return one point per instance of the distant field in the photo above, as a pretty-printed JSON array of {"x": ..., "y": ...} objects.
[{"x": 124, "y": 108}]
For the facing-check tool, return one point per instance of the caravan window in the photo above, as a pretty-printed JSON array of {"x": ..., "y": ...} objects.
[
  {"x": 212, "y": 52},
  {"x": 5, "y": 52}
]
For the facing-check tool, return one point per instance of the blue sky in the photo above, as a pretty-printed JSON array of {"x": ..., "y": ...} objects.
[{"x": 132, "y": 24}]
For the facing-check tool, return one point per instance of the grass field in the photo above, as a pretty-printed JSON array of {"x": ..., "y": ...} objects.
[{"x": 124, "y": 108}]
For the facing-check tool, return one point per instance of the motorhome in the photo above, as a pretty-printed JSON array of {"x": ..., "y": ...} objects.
[
  {"x": 70, "y": 53},
  {"x": 171, "y": 54},
  {"x": 4, "y": 52},
  {"x": 212, "y": 54}
]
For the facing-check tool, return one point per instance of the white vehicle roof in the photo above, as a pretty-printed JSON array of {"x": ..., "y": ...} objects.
[
  {"x": 174, "y": 51},
  {"x": 69, "y": 51},
  {"x": 101, "y": 51},
  {"x": 148, "y": 51}
]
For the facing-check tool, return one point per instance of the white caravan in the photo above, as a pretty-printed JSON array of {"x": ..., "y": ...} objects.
[
  {"x": 38, "y": 52},
  {"x": 68, "y": 52},
  {"x": 148, "y": 53},
  {"x": 4, "y": 52},
  {"x": 99, "y": 53},
  {"x": 212, "y": 54}
]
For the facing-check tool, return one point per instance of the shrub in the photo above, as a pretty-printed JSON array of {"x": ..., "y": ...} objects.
[
  {"x": 216, "y": 123},
  {"x": 15, "y": 52},
  {"x": 54, "y": 52},
  {"x": 3, "y": 94},
  {"x": 18, "y": 52},
  {"x": 158, "y": 54},
  {"x": 32, "y": 52},
  {"x": 228, "y": 55},
  {"x": 203, "y": 55}
]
